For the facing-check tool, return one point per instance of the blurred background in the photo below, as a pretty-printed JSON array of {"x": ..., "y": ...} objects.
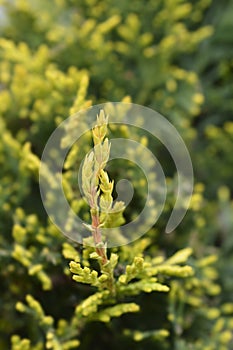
[{"x": 58, "y": 56}]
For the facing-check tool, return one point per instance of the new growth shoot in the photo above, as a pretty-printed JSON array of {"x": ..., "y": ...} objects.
[{"x": 97, "y": 187}]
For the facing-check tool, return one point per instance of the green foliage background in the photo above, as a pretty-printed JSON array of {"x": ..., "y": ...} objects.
[{"x": 57, "y": 57}]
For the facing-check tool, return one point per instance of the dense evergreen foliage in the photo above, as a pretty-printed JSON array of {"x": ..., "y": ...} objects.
[{"x": 162, "y": 291}]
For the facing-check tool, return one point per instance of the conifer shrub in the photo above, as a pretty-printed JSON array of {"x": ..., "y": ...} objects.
[{"x": 161, "y": 291}]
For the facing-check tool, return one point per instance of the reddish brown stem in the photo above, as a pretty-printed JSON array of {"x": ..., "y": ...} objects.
[{"x": 98, "y": 238}]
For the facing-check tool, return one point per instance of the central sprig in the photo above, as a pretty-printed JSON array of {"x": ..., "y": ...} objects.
[{"x": 97, "y": 187}]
